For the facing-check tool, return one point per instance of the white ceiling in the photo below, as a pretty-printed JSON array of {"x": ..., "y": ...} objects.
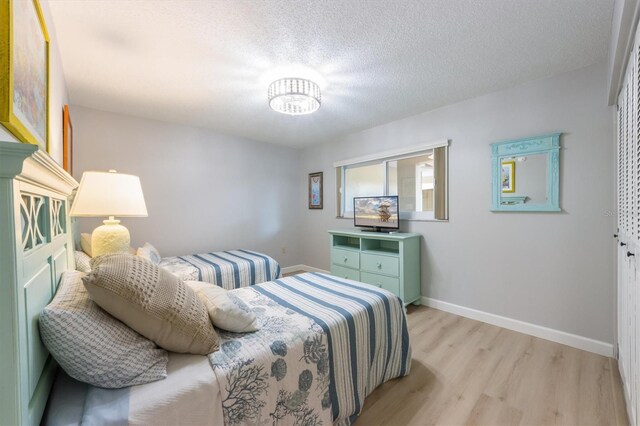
[{"x": 208, "y": 63}]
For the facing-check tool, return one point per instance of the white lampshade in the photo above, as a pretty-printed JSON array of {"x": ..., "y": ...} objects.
[{"x": 109, "y": 194}]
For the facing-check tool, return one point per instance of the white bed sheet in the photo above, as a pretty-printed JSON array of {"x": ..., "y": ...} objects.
[{"x": 188, "y": 396}]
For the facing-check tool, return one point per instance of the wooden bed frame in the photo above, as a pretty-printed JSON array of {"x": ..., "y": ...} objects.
[{"x": 36, "y": 247}]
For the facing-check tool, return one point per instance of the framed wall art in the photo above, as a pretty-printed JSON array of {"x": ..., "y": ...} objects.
[
  {"x": 67, "y": 141},
  {"x": 315, "y": 190},
  {"x": 508, "y": 176},
  {"x": 24, "y": 71}
]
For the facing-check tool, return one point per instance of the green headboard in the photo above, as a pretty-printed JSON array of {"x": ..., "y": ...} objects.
[{"x": 36, "y": 246}]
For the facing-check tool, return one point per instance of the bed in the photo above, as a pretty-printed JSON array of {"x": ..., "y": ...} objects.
[
  {"x": 227, "y": 269},
  {"x": 345, "y": 337},
  {"x": 324, "y": 345}
]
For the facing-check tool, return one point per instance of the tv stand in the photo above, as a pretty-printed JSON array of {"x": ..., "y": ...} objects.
[{"x": 388, "y": 261}]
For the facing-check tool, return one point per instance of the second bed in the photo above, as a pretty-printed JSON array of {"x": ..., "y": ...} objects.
[{"x": 227, "y": 269}]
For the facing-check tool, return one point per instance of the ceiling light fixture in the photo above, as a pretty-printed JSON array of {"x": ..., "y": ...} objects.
[{"x": 294, "y": 96}]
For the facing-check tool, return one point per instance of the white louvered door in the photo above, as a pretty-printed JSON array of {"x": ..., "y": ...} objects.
[{"x": 628, "y": 194}]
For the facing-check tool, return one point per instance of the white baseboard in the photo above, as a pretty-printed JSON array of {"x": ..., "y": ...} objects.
[
  {"x": 573, "y": 340},
  {"x": 304, "y": 268}
]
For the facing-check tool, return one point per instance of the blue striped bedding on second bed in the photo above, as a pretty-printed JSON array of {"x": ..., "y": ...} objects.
[
  {"x": 228, "y": 269},
  {"x": 366, "y": 331}
]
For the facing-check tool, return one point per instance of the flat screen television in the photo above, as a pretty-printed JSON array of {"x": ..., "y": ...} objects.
[{"x": 377, "y": 213}]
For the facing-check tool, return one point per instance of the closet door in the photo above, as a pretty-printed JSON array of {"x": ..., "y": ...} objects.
[
  {"x": 628, "y": 194},
  {"x": 633, "y": 252},
  {"x": 626, "y": 272}
]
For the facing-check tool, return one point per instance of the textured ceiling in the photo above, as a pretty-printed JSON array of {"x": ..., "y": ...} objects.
[{"x": 208, "y": 63}]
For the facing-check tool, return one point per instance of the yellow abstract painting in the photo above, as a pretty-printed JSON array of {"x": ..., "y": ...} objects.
[{"x": 24, "y": 71}]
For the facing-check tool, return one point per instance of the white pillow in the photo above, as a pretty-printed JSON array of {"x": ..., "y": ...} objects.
[
  {"x": 225, "y": 313},
  {"x": 85, "y": 243},
  {"x": 149, "y": 252}
]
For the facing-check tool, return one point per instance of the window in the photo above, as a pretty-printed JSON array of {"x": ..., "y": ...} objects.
[{"x": 417, "y": 176}]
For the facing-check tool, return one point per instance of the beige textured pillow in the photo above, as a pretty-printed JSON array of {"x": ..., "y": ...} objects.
[
  {"x": 153, "y": 302},
  {"x": 226, "y": 311}
]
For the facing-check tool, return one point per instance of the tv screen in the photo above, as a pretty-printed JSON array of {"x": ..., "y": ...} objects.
[{"x": 376, "y": 212}]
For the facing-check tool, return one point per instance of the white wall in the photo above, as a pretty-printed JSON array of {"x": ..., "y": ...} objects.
[
  {"x": 204, "y": 191},
  {"x": 554, "y": 270},
  {"x": 58, "y": 96}
]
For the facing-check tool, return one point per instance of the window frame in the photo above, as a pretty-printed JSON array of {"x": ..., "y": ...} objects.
[{"x": 384, "y": 158}]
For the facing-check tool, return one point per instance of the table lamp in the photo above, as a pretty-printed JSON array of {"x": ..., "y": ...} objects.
[{"x": 109, "y": 194}]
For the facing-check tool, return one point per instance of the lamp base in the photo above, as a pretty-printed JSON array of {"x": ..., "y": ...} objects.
[{"x": 110, "y": 238}]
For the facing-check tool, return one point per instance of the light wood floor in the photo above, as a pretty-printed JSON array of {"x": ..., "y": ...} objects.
[{"x": 469, "y": 372}]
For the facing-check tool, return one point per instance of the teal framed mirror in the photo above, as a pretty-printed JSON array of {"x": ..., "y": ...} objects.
[{"x": 525, "y": 174}]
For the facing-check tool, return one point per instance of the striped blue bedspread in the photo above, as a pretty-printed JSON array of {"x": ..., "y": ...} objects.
[
  {"x": 367, "y": 344},
  {"x": 227, "y": 269},
  {"x": 366, "y": 330}
]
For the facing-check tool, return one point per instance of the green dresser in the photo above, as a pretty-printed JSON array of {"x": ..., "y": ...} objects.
[{"x": 389, "y": 261}]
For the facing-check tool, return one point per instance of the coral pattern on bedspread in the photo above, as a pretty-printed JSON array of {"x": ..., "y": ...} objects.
[
  {"x": 365, "y": 330},
  {"x": 227, "y": 269},
  {"x": 277, "y": 375}
]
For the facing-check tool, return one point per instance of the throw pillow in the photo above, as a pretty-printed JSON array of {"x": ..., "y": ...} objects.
[
  {"x": 225, "y": 311},
  {"x": 94, "y": 347},
  {"x": 153, "y": 302}
]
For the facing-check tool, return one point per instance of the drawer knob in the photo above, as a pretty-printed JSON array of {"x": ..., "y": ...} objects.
[
  {"x": 379, "y": 265},
  {"x": 345, "y": 260}
]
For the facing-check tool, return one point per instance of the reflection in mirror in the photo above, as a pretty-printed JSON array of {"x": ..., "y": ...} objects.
[
  {"x": 526, "y": 174},
  {"x": 524, "y": 179}
]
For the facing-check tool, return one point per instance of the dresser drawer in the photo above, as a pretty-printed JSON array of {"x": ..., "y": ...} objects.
[
  {"x": 350, "y": 259},
  {"x": 382, "y": 281},
  {"x": 378, "y": 264},
  {"x": 342, "y": 272}
]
